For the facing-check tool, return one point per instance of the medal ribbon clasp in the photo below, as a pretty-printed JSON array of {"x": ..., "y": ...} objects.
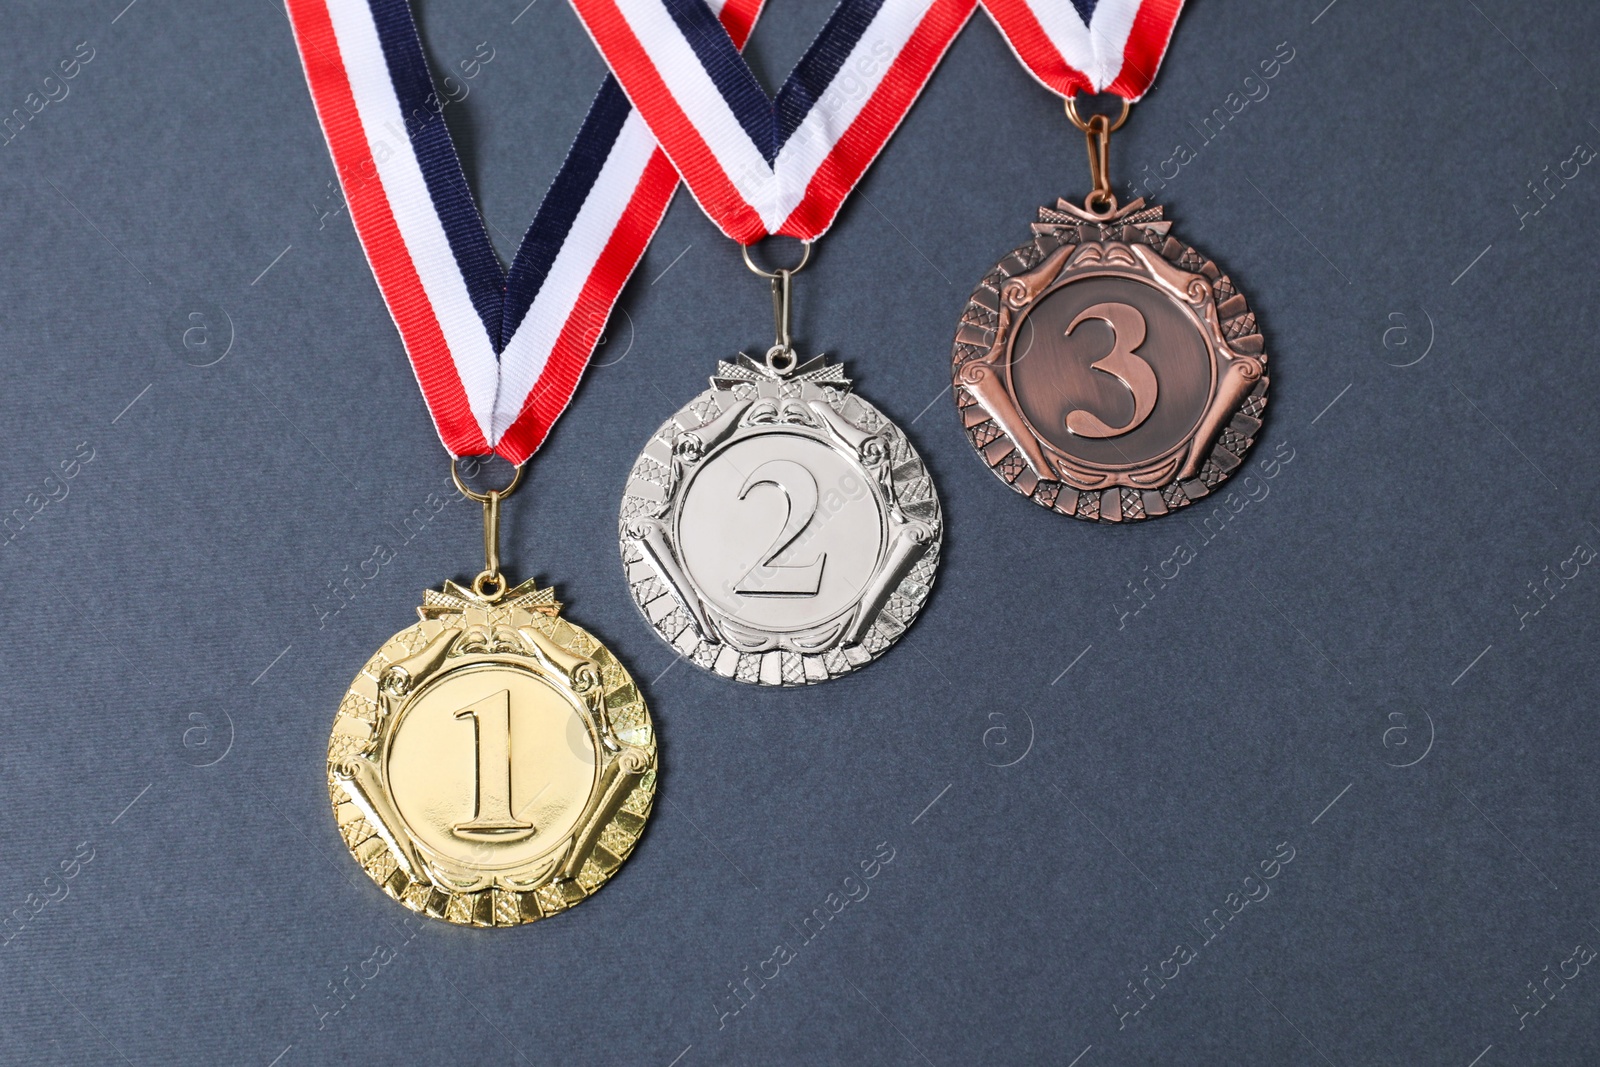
[
  {"x": 490, "y": 583},
  {"x": 1097, "y": 131},
  {"x": 780, "y": 357}
]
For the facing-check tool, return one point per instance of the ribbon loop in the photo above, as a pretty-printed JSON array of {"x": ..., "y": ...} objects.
[
  {"x": 758, "y": 165},
  {"x": 1089, "y": 46},
  {"x": 497, "y": 352}
]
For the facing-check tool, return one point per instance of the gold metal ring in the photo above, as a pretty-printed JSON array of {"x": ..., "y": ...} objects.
[
  {"x": 472, "y": 494},
  {"x": 1072, "y": 113},
  {"x": 491, "y": 585},
  {"x": 805, "y": 257}
]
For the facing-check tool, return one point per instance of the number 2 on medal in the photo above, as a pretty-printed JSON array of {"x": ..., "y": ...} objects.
[
  {"x": 491, "y": 730},
  {"x": 799, "y": 488},
  {"x": 1127, "y": 334}
]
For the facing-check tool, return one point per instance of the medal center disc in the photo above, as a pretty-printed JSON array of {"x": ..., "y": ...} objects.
[
  {"x": 780, "y": 531},
  {"x": 1114, "y": 357},
  {"x": 491, "y": 766}
]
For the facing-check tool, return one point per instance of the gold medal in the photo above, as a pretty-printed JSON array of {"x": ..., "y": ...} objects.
[{"x": 492, "y": 764}]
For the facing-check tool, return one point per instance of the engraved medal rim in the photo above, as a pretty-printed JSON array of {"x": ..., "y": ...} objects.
[
  {"x": 1135, "y": 493},
  {"x": 608, "y": 834},
  {"x": 922, "y": 515}
]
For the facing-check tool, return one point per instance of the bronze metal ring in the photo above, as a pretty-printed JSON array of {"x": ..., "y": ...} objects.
[
  {"x": 1108, "y": 200},
  {"x": 1078, "y": 121}
]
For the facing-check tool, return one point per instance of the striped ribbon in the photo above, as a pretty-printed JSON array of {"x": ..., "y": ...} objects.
[
  {"x": 496, "y": 352},
  {"x": 759, "y": 165},
  {"x": 1089, "y": 46}
]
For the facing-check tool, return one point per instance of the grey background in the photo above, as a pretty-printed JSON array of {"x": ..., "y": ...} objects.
[{"x": 1370, "y": 607}]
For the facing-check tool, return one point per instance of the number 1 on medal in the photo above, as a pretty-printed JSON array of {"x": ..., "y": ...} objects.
[{"x": 491, "y": 728}]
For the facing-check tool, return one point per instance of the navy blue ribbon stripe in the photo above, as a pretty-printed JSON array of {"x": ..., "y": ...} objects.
[
  {"x": 561, "y": 204},
  {"x": 728, "y": 71},
  {"x": 500, "y": 297},
  {"x": 821, "y": 63},
  {"x": 441, "y": 167},
  {"x": 770, "y": 122}
]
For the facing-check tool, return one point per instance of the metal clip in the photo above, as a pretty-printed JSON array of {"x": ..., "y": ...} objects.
[
  {"x": 780, "y": 357},
  {"x": 490, "y": 583},
  {"x": 1097, "y": 132}
]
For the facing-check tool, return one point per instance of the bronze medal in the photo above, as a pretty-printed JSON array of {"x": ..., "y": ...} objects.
[{"x": 1106, "y": 369}]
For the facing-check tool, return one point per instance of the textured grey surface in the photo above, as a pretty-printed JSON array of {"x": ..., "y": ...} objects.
[{"x": 1368, "y": 606}]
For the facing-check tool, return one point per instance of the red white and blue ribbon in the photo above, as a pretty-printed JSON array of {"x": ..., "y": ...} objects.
[
  {"x": 1089, "y": 46},
  {"x": 497, "y": 353},
  {"x": 757, "y": 165}
]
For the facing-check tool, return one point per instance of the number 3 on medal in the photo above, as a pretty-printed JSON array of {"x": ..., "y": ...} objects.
[
  {"x": 799, "y": 488},
  {"x": 1127, "y": 334}
]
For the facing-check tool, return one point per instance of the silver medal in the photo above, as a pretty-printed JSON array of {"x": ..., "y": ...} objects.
[{"x": 779, "y": 529}]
